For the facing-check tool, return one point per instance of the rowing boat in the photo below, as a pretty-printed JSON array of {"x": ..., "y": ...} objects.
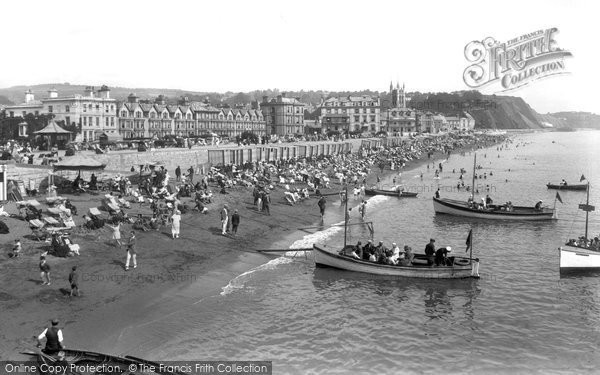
[
  {"x": 494, "y": 212},
  {"x": 76, "y": 360},
  {"x": 461, "y": 267},
  {"x": 579, "y": 187},
  {"x": 393, "y": 193}
]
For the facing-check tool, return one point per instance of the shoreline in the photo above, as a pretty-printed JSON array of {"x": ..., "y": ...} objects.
[{"x": 172, "y": 273}]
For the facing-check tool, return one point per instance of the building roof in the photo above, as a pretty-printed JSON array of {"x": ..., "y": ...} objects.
[{"x": 52, "y": 128}]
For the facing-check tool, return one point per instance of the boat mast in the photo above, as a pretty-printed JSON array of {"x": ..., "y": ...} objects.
[
  {"x": 587, "y": 212},
  {"x": 346, "y": 215},
  {"x": 473, "y": 180}
]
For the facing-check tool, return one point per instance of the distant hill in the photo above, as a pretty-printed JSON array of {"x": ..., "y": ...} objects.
[
  {"x": 489, "y": 111},
  {"x": 575, "y": 119}
]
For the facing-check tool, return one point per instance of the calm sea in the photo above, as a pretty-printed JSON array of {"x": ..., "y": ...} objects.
[{"x": 520, "y": 317}]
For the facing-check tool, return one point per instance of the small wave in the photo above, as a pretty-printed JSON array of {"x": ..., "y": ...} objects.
[{"x": 239, "y": 281}]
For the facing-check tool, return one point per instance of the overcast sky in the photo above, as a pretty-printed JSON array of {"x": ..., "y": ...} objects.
[{"x": 291, "y": 45}]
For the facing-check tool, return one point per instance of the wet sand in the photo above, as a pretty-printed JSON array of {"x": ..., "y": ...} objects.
[{"x": 113, "y": 300}]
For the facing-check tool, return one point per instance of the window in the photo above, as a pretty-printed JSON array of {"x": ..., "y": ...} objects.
[
  {"x": 97, "y": 107},
  {"x": 67, "y": 109},
  {"x": 37, "y": 113},
  {"x": 112, "y": 121},
  {"x": 24, "y": 113},
  {"x": 106, "y": 121},
  {"x": 84, "y": 121},
  {"x": 84, "y": 108},
  {"x": 152, "y": 115},
  {"x": 12, "y": 114},
  {"x": 68, "y": 120},
  {"x": 50, "y": 109},
  {"x": 356, "y": 118},
  {"x": 356, "y": 110},
  {"x": 123, "y": 113}
]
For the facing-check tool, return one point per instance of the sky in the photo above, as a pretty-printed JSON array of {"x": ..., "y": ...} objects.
[{"x": 219, "y": 46}]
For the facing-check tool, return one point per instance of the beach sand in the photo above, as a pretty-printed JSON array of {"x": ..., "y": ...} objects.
[{"x": 112, "y": 299}]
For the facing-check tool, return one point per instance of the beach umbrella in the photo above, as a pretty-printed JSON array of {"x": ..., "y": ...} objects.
[{"x": 79, "y": 163}]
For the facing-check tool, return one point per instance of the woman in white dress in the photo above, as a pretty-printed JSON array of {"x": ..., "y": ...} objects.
[{"x": 175, "y": 222}]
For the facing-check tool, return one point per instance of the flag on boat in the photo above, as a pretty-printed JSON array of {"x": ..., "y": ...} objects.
[
  {"x": 558, "y": 197},
  {"x": 582, "y": 178},
  {"x": 469, "y": 240}
]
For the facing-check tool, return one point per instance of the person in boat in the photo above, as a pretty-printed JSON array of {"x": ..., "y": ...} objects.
[
  {"x": 538, "y": 205},
  {"x": 349, "y": 251},
  {"x": 368, "y": 250},
  {"x": 393, "y": 259},
  {"x": 54, "y": 338},
  {"x": 470, "y": 201},
  {"x": 430, "y": 252},
  {"x": 408, "y": 257},
  {"x": 596, "y": 243},
  {"x": 563, "y": 182},
  {"x": 437, "y": 193},
  {"x": 441, "y": 256},
  {"x": 488, "y": 200},
  {"x": 380, "y": 252},
  {"x": 358, "y": 250}
]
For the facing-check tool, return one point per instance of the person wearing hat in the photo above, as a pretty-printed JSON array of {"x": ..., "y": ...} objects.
[
  {"x": 54, "y": 338},
  {"x": 430, "y": 252},
  {"x": 538, "y": 205},
  {"x": 441, "y": 256},
  {"x": 395, "y": 254},
  {"x": 131, "y": 253},
  {"x": 175, "y": 223},
  {"x": 44, "y": 271},
  {"x": 408, "y": 256},
  {"x": 224, "y": 219}
]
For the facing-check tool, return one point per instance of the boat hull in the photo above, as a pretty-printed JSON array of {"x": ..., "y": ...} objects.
[
  {"x": 458, "y": 208},
  {"x": 567, "y": 187},
  {"x": 404, "y": 194},
  {"x": 325, "y": 258},
  {"x": 117, "y": 364},
  {"x": 574, "y": 258}
]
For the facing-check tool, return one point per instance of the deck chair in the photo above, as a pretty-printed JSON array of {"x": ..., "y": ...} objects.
[
  {"x": 95, "y": 211},
  {"x": 51, "y": 221},
  {"x": 55, "y": 211},
  {"x": 37, "y": 230},
  {"x": 55, "y": 200}
]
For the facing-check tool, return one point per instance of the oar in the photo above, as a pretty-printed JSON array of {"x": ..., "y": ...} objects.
[{"x": 283, "y": 250}]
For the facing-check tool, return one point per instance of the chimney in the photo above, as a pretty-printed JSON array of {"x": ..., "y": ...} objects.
[
  {"x": 52, "y": 93},
  {"x": 29, "y": 96},
  {"x": 89, "y": 91},
  {"x": 132, "y": 98},
  {"x": 104, "y": 92}
]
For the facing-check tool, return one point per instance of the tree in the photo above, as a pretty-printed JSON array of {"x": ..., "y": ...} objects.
[{"x": 248, "y": 135}]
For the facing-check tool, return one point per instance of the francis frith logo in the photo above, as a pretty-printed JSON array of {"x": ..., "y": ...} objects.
[{"x": 515, "y": 63}]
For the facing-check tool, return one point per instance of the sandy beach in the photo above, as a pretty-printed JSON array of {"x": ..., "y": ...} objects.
[{"x": 112, "y": 299}]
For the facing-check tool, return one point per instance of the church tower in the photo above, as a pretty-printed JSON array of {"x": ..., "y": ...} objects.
[{"x": 402, "y": 96}]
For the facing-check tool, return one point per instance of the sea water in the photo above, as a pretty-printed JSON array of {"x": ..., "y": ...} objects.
[{"x": 520, "y": 317}]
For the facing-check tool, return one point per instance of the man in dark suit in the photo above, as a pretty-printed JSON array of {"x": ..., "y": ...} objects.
[{"x": 430, "y": 252}]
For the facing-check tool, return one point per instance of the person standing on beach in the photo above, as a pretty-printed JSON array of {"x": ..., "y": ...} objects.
[
  {"x": 235, "y": 222},
  {"x": 131, "y": 253},
  {"x": 178, "y": 173},
  {"x": 44, "y": 271},
  {"x": 224, "y": 219},
  {"x": 74, "y": 281},
  {"x": 266, "y": 203},
  {"x": 116, "y": 233},
  {"x": 175, "y": 223},
  {"x": 191, "y": 174},
  {"x": 322, "y": 202}
]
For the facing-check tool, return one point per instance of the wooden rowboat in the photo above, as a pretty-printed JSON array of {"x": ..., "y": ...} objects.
[
  {"x": 461, "y": 267},
  {"x": 392, "y": 193},
  {"x": 77, "y": 361},
  {"x": 493, "y": 212},
  {"x": 580, "y": 187}
]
